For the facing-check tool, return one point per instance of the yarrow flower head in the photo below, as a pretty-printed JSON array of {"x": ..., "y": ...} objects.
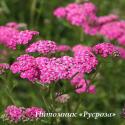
[
  {"x": 85, "y": 61},
  {"x": 49, "y": 70},
  {"x": 85, "y": 16},
  {"x": 111, "y": 30},
  {"x": 26, "y": 66},
  {"x": 12, "y": 37},
  {"x": 54, "y": 69},
  {"x": 82, "y": 85},
  {"x": 43, "y": 69},
  {"x": 105, "y": 49},
  {"x": 13, "y": 113},
  {"x": 76, "y": 14},
  {"x": 25, "y": 36},
  {"x": 33, "y": 113},
  {"x": 43, "y": 47},
  {"x": 16, "y": 114}
]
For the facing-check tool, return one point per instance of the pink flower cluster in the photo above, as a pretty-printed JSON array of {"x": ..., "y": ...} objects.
[
  {"x": 43, "y": 47},
  {"x": 82, "y": 85},
  {"x": 13, "y": 113},
  {"x": 47, "y": 70},
  {"x": 78, "y": 14},
  {"x": 11, "y": 37},
  {"x": 33, "y": 113},
  {"x": 43, "y": 69},
  {"x": 26, "y": 66},
  {"x": 55, "y": 69},
  {"x": 16, "y": 114},
  {"x": 47, "y": 47},
  {"x": 105, "y": 49},
  {"x": 3, "y": 67},
  {"x": 85, "y": 60},
  {"x": 84, "y": 15},
  {"x": 83, "y": 55},
  {"x": 114, "y": 30}
]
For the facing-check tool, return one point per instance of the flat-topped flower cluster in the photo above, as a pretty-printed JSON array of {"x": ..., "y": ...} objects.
[
  {"x": 85, "y": 16},
  {"x": 16, "y": 114},
  {"x": 10, "y": 36},
  {"x": 48, "y": 70}
]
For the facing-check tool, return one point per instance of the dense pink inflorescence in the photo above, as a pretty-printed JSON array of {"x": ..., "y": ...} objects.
[
  {"x": 12, "y": 37},
  {"x": 111, "y": 30},
  {"x": 43, "y": 69},
  {"x": 33, "y": 113},
  {"x": 25, "y": 36},
  {"x": 13, "y": 113},
  {"x": 85, "y": 60},
  {"x": 84, "y": 15},
  {"x": 55, "y": 69},
  {"x": 105, "y": 49},
  {"x": 26, "y": 66},
  {"x": 16, "y": 114},
  {"x": 82, "y": 85},
  {"x": 48, "y": 70},
  {"x": 77, "y": 14},
  {"x": 43, "y": 47}
]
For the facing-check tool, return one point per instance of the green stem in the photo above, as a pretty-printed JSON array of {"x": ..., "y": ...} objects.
[
  {"x": 52, "y": 96},
  {"x": 10, "y": 95},
  {"x": 39, "y": 12},
  {"x": 8, "y": 90},
  {"x": 78, "y": 104},
  {"x": 47, "y": 105}
]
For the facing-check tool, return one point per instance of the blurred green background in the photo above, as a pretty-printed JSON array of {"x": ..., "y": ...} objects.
[{"x": 110, "y": 86}]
